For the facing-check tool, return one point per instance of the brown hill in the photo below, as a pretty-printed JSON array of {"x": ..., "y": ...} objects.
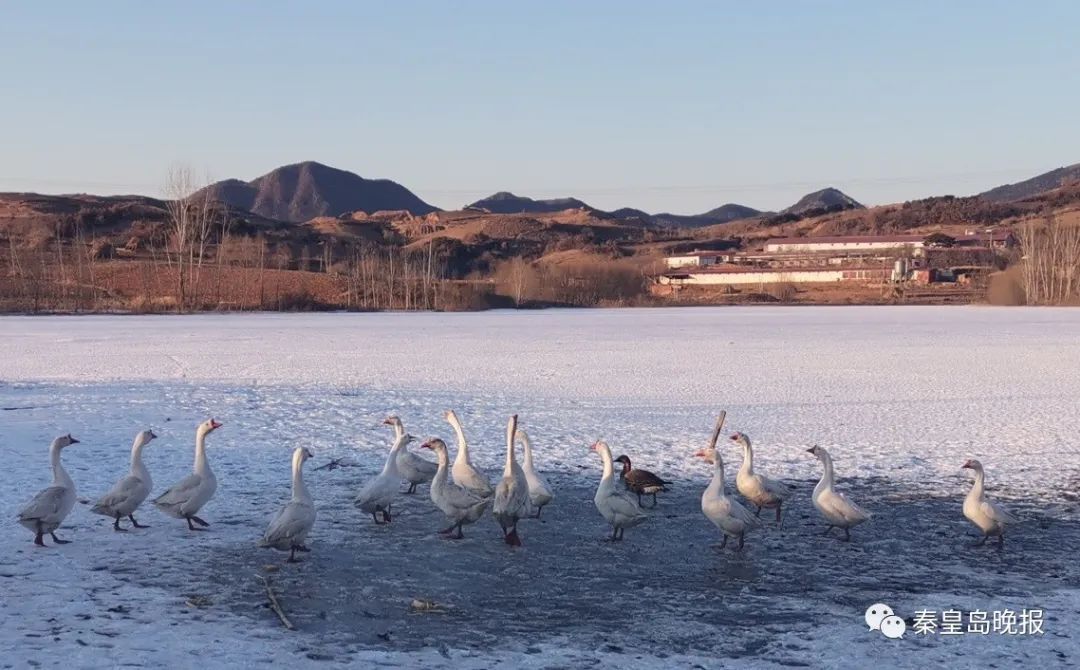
[
  {"x": 1035, "y": 186},
  {"x": 308, "y": 190}
]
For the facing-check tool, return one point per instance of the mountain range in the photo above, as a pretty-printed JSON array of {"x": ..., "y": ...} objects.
[{"x": 303, "y": 191}]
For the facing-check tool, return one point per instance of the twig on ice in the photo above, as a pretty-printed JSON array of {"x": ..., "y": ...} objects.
[
  {"x": 274, "y": 604},
  {"x": 335, "y": 463}
]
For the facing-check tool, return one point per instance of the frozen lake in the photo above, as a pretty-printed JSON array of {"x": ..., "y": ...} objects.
[{"x": 901, "y": 396}]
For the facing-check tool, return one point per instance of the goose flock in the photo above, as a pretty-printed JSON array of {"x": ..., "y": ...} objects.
[{"x": 463, "y": 493}]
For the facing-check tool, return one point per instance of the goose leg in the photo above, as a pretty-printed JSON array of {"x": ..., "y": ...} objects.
[
  {"x": 292, "y": 555},
  {"x": 980, "y": 542},
  {"x": 116, "y": 525},
  {"x": 723, "y": 542},
  {"x": 374, "y": 515},
  {"x": 778, "y": 519},
  {"x": 460, "y": 535},
  {"x": 757, "y": 511},
  {"x": 1001, "y": 541},
  {"x": 640, "y": 504},
  {"x": 37, "y": 536},
  {"x": 135, "y": 523},
  {"x": 411, "y": 489},
  {"x": 847, "y": 535},
  {"x": 386, "y": 514},
  {"x": 741, "y": 538},
  {"x": 58, "y": 540},
  {"x": 827, "y": 529}
]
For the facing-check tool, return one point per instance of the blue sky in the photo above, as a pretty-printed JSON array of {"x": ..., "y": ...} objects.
[{"x": 676, "y": 106}]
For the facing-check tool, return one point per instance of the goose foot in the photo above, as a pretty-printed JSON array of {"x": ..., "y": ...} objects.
[
  {"x": 723, "y": 543},
  {"x": 192, "y": 526},
  {"x": 116, "y": 526},
  {"x": 199, "y": 521},
  {"x": 847, "y": 535},
  {"x": 386, "y": 515},
  {"x": 827, "y": 529},
  {"x": 58, "y": 540},
  {"x": 135, "y": 523},
  {"x": 447, "y": 531},
  {"x": 304, "y": 548},
  {"x": 38, "y": 540},
  {"x": 512, "y": 538},
  {"x": 980, "y": 542}
]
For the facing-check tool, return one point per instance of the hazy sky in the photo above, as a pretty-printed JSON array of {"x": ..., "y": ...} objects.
[{"x": 678, "y": 106}]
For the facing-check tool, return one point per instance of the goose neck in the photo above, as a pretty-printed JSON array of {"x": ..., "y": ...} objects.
[{"x": 60, "y": 475}]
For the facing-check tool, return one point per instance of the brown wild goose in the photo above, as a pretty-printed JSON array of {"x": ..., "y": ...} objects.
[{"x": 641, "y": 482}]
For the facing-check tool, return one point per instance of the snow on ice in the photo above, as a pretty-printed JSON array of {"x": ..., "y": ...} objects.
[{"x": 901, "y": 396}]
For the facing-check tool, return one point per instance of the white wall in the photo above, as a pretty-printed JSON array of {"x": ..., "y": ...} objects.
[
  {"x": 838, "y": 246},
  {"x": 686, "y": 261},
  {"x": 765, "y": 277}
]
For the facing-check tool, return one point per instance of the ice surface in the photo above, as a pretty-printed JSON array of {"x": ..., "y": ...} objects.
[{"x": 901, "y": 396}]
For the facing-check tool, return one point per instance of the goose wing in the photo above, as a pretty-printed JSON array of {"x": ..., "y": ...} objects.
[
  {"x": 124, "y": 490},
  {"x": 461, "y": 497},
  {"x": 640, "y": 480},
  {"x": 997, "y": 512},
  {"x": 45, "y": 504},
  {"x": 778, "y": 489},
  {"x": 180, "y": 491},
  {"x": 624, "y": 505},
  {"x": 294, "y": 520}
]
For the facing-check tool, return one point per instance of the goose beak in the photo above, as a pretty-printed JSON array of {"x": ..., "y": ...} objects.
[
  {"x": 811, "y": 450},
  {"x": 214, "y": 425},
  {"x": 73, "y": 440},
  {"x": 426, "y": 445},
  {"x": 153, "y": 435},
  {"x": 967, "y": 464},
  {"x": 734, "y": 437}
]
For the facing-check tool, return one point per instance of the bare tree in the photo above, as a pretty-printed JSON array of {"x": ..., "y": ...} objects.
[
  {"x": 1051, "y": 267},
  {"x": 190, "y": 222}
]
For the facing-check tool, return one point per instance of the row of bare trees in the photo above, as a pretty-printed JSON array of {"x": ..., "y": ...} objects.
[
  {"x": 580, "y": 285},
  {"x": 1051, "y": 263}
]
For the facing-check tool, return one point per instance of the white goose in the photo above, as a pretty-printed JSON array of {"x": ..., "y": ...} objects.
[
  {"x": 413, "y": 468},
  {"x": 833, "y": 505},
  {"x": 289, "y": 529},
  {"x": 539, "y": 492},
  {"x": 131, "y": 491},
  {"x": 48, "y": 509},
  {"x": 725, "y": 512},
  {"x": 460, "y": 505},
  {"x": 185, "y": 498},
  {"x": 377, "y": 495},
  {"x": 465, "y": 474},
  {"x": 512, "y": 493},
  {"x": 990, "y": 517},
  {"x": 618, "y": 507},
  {"x": 757, "y": 488}
]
